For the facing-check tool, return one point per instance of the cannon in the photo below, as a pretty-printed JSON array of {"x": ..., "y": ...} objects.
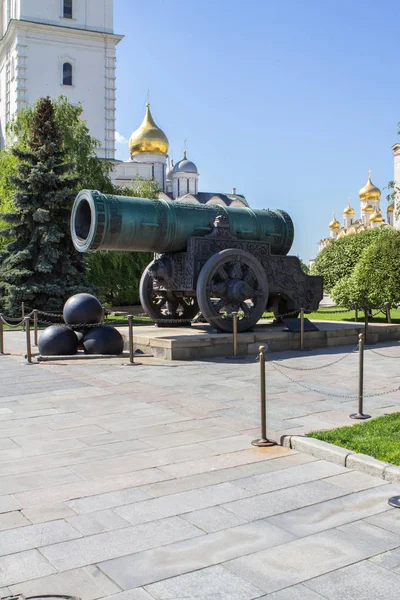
[{"x": 208, "y": 259}]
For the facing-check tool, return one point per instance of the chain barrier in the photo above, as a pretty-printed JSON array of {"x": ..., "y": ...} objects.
[
  {"x": 330, "y": 394},
  {"x": 334, "y": 312},
  {"x": 12, "y": 325},
  {"x": 338, "y": 360},
  {"x": 378, "y": 313},
  {"x": 48, "y": 314},
  {"x": 310, "y": 389},
  {"x": 75, "y": 326},
  {"x": 382, "y": 354}
]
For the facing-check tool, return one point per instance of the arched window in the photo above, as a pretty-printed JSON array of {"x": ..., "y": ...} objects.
[
  {"x": 67, "y": 12},
  {"x": 67, "y": 73}
]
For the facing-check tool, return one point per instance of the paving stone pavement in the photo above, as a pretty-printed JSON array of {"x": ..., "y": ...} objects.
[{"x": 140, "y": 483}]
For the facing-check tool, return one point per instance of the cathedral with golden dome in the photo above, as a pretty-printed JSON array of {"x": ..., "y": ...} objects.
[
  {"x": 371, "y": 215},
  {"x": 149, "y": 159}
]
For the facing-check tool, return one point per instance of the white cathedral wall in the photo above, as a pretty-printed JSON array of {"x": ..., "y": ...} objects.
[
  {"x": 396, "y": 150},
  {"x": 95, "y": 15},
  {"x": 43, "y": 51},
  {"x": 124, "y": 173},
  {"x": 87, "y": 88}
]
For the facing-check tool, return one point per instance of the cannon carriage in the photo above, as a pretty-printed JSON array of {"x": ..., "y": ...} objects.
[{"x": 212, "y": 260}]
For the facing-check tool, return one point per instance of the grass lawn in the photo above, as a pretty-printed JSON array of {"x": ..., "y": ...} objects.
[
  {"x": 379, "y": 438},
  {"x": 331, "y": 314}
]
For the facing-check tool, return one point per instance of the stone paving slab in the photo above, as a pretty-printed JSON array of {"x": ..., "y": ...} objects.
[
  {"x": 106, "y": 546},
  {"x": 16, "y": 568},
  {"x": 141, "y": 484},
  {"x": 161, "y": 563},
  {"x": 90, "y": 582},
  {"x": 352, "y": 581},
  {"x": 301, "y": 559},
  {"x": 212, "y": 582}
]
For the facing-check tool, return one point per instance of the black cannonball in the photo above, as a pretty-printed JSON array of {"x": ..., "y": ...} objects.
[
  {"x": 82, "y": 308},
  {"x": 103, "y": 340},
  {"x": 58, "y": 340}
]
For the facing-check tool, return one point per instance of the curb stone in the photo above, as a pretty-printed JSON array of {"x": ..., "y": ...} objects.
[
  {"x": 342, "y": 456},
  {"x": 392, "y": 474},
  {"x": 367, "y": 464}
]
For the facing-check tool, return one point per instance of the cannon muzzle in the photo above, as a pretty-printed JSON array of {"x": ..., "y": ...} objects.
[{"x": 105, "y": 222}]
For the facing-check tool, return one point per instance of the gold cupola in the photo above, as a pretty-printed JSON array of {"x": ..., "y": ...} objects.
[
  {"x": 348, "y": 210},
  {"x": 367, "y": 209},
  {"x": 376, "y": 217},
  {"x": 334, "y": 224},
  {"x": 148, "y": 138},
  {"x": 369, "y": 191},
  {"x": 390, "y": 208}
]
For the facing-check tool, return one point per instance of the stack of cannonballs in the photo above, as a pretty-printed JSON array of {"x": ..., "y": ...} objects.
[{"x": 83, "y": 330}]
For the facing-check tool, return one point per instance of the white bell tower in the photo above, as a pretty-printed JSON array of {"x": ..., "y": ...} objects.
[{"x": 60, "y": 47}]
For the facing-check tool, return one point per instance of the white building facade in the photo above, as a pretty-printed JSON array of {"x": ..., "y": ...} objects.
[
  {"x": 60, "y": 47},
  {"x": 370, "y": 211},
  {"x": 68, "y": 47},
  {"x": 148, "y": 149},
  {"x": 396, "y": 156}
]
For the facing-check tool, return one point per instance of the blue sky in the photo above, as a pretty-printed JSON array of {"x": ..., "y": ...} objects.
[{"x": 290, "y": 102}]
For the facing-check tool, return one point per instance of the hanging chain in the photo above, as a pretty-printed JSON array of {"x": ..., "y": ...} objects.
[
  {"x": 338, "y": 360},
  {"x": 382, "y": 354},
  {"x": 330, "y": 394},
  {"x": 310, "y": 389},
  {"x": 12, "y": 325}
]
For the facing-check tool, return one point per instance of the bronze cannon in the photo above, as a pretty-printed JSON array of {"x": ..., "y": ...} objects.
[{"x": 209, "y": 259}]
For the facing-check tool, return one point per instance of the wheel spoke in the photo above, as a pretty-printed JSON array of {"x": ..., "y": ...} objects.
[
  {"x": 249, "y": 276},
  {"x": 223, "y": 275},
  {"x": 218, "y": 289},
  {"x": 236, "y": 271}
]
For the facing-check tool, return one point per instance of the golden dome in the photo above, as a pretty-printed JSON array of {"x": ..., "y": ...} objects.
[
  {"x": 390, "y": 208},
  {"x": 348, "y": 210},
  {"x": 148, "y": 138},
  {"x": 368, "y": 208},
  {"x": 369, "y": 191},
  {"x": 334, "y": 224},
  {"x": 376, "y": 217}
]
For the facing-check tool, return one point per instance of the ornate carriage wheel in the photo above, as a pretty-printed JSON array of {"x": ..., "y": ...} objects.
[
  {"x": 232, "y": 280},
  {"x": 162, "y": 305}
]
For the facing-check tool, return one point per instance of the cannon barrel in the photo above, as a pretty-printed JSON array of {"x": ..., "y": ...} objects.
[{"x": 105, "y": 222}]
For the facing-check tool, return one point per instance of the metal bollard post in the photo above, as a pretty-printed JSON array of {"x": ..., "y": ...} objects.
[
  {"x": 302, "y": 329},
  {"x": 388, "y": 315},
  {"x": 235, "y": 333},
  {"x": 366, "y": 309},
  {"x": 356, "y": 312},
  {"x": 130, "y": 325},
  {"x": 131, "y": 362},
  {"x": 263, "y": 441},
  {"x": 360, "y": 415},
  {"x": 27, "y": 322},
  {"x": 1, "y": 335},
  {"x": 35, "y": 325}
]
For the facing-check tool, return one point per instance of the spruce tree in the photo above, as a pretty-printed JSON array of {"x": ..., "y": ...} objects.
[{"x": 40, "y": 266}]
